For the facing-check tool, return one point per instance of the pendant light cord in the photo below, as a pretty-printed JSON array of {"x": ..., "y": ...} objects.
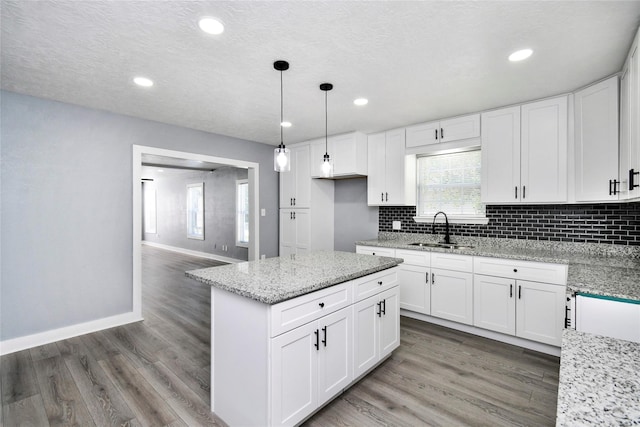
[
  {"x": 326, "y": 115},
  {"x": 281, "y": 110}
]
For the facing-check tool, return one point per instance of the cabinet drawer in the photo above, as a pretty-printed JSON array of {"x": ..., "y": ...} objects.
[
  {"x": 375, "y": 250},
  {"x": 448, "y": 261},
  {"x": 374, "y": 283},
  {"x": 522, "y": 270},
  {"x": 420, "y": 258},
  {"x": 306, "y": 308}
]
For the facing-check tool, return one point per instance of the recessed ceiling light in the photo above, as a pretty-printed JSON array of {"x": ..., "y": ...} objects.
[
  {"x": 519, "y": 55},
  {"x": 361, "y": 101},
  {"x": 160, "y": 170},
  {"x": 143, "y": 81},
  {"x": 211, "y": 25},
  {"x": 285, "y": 124}
]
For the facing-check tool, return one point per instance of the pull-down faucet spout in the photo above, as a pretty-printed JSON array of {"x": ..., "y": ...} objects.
[{"x": 447, "y": 237}]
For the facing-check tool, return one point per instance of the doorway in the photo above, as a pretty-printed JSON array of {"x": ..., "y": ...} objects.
[{"x": 142, "y": 151}]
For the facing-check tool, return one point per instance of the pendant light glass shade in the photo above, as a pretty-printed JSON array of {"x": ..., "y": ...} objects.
[
  {"x": 327, "y": 164},
  {"x": 281, "y": 155}
]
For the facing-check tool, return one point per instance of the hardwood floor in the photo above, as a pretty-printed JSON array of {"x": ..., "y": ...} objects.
[{"x": 156, "y": 372}]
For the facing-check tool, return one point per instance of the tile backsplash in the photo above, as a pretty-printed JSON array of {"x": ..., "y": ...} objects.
[{"x": 613, "y": 223}]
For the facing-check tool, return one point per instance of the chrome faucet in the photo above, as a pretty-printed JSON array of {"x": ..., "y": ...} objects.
[{"x": 447, "y": 237}]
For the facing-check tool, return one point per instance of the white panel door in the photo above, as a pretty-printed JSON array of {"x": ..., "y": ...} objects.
[
  {"x": 302, "y": 223},
  {"x": 460, "y": 128},
  {"x": 301, "y": 170},
  {"x": 294, "y": 376},
  {"x": 596, "y": 141},
  {"x": 494, "y": 304},
  {"x": 389, "y": 321},
  {"x": 376, "y": 165},
  {"x": 422, "y": 134},
  {"x": 543, "y": 174},
  {"x": 540, "y": 310},
  {"x": 366, "y": 348},
  {"x": 500, "y": 170},
  {"x": 335, "y": 356},
  {"x": 634, "y": 118},
  {"x": 343, "y": 152},
  {"x": 287, "y": 232},
  {"x": 395, "y": 167},
  {"x": 415, "y": 294},
  {"x": 624, "y": 159},
  {"x": 452, "y": 295}
]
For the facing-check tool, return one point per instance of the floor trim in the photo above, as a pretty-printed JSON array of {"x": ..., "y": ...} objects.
[
  {"x": 29, "y": 341},
  {"x": 193, "y": 253}
]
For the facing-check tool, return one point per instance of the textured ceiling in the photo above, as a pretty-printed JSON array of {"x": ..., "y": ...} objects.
[{"x": 415, "y": 61}]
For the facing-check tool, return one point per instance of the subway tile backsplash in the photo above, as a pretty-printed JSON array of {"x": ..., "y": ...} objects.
[{"x": 613, "y": 223}]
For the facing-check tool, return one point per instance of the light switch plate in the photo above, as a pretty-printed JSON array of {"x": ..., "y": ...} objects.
[
  {"x": 397, "y": 225},
  {"x": 263, "y": 212}
]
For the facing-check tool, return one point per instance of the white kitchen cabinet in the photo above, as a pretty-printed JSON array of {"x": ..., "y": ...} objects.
[
  {"x": 596, "y": 142},
  {"x": 608, "y": 317},
  {"x": 452, "y": 295},
  {"x": 348, "y": 155},
  {"x": 414, "y": 277},
  {"x": 295, "y": 185},
  {"x": 494, "y": 304},
  {"x": 630, "y": 123},
  {"x": 453, "y": 129},
  {"x": 524, "y": 159},
  {"x": 391, "y": 173},
  {"x": 295, "y": 231},
  {"x": 540, "y": 312},
  {"x": 375, "y": 250},
  {"x": 311, "y": 364},
  {"x": 376, "y": 323}
]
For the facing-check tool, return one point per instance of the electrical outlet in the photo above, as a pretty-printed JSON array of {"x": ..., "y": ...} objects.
[
  {"x": 263, "y": 212},
  {"x": 397, "y": 225},
  {"x": 263, "y": 256}
]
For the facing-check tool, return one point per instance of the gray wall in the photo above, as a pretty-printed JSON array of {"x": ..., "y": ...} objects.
[
  {"x": 219, "y": 207},
  {"x": 66, "y": 220},
  {"x": 354, "y": 220}
]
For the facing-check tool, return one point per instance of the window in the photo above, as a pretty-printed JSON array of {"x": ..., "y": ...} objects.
[
  {"x": 242, "y": 213},
  {"x": 195, "y": 211},
  {"x": 450, "y": 183},
  {"x": 149, "y": 207}
]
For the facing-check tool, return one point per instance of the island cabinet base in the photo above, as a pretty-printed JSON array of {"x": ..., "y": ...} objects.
[{"x": 276, "y": 365}]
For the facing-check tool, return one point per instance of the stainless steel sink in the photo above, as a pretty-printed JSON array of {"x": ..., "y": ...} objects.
[{"x": 441, "y": 245}]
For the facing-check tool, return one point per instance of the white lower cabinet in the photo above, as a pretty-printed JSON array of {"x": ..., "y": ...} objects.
[
  {"x": 415, "y": 294},
  {"x": 452, "y": 295},
  {"x": 376, "y": 328},
  {"x": 310, "y": 365},
  {"x": 494, "y": 305}
]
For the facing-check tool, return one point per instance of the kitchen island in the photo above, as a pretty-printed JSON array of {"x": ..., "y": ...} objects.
[{"x": 289, "y": 334}]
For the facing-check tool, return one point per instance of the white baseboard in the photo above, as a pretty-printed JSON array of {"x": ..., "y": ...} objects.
[
  {"x": 47, "y": 337},
  {"x": 520, "y": 342},
  {"x": 193, "y": 253}
]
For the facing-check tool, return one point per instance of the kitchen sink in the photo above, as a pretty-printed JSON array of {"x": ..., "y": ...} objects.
[{"x": 441, "y": 245}]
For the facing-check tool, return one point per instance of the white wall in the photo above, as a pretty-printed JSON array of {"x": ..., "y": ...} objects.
[{"x": 66, "y": 208}]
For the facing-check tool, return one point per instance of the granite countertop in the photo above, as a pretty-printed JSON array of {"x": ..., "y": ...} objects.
[
  {"x": 608, "y": 270},
  {"x": 599, "y": 381},
  {"x": 274, "y": 280}
]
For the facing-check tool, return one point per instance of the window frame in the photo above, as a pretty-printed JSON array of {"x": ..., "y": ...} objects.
[
  {"x": 239, "y": 242},
  {"x": 199, "y": 214}
]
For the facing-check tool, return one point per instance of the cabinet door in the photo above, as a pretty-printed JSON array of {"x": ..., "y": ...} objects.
[
  {"x": 540, "y": 312},
  {"x": 624, "y": 159},
  {"x": 302, "y": 224},
  {"x": 415, "y": 294},
  {"x": 317, "y": 150},
  {"x": 452, "y": 295},
  {"x": 494, "y": 304},
  {"x": 294, "y": 377},
  {"x": 423, "y": 134},
  {"x": 500, "y": 179},
  {"x": 634, "y": 117},
  {"x": 376, "y": 167},
  {"x": 335, "y": 357},
  {"x": 287, "y": 232},
  {"x": 596, "y": 146},
  {"x": 394, "y": 193},
  {"x": 301, "y": 171},
  {"x": 543, "y": 174},
  {"x": 460, "y": 128},
  {"x": 366, "y": 345},
  {"x": 389, "y": 321}
]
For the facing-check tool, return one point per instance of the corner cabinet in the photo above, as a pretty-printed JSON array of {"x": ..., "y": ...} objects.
[
  {"x": 527, "y": 146},
  {"x": 596, "y": 142},
  {"x": 391, "y": 173}
]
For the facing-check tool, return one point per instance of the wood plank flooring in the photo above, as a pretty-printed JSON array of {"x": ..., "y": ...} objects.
[{"x": 156, "y": 372}]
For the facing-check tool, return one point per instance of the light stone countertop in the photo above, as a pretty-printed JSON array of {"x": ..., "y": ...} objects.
[
  {"x": 274, "y": 280},
  {"x": 599, "y": 381},
  {"x": 609, "y": 270}
]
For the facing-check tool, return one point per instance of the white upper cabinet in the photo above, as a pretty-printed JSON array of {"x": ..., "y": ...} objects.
[
  {"x": 348, "y": 154},
  {"x": 524, "y": 157},
  {"x": 444, "y": 131},
  {"x": 630, "y": 124},
  {"x": 543, "y": 167},
  {"x": 596, "y": 142},
  {"x": 391, "y": 173},
  {"x": 295, "y": 185}
]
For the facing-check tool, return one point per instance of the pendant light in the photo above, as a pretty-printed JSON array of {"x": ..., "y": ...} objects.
[
  {"x": 281, "y": 155},
  {"x": 327, "y": 167}
]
